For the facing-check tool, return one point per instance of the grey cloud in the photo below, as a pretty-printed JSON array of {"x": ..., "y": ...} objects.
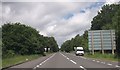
[{"x": 49, "y": 19}]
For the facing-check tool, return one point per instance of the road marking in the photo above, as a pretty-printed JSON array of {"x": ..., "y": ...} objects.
[
  {"x": 37, "y": 66},
  {"x": 62, "y": 55},
  {"x": 82, "y": 67},
  {"x": 47, "y": 59},
  {"x": 117, "y": 66},
  {"x": 40, "y": 64},
  {"x": 98, "y": 61},
  {"x": 93, "y": 60},
  {"x": 109, "y": 64},
  {"x": 103, "y": 62},
  {"x": 34, "y": 67},
  {"x": 73, "y": 61},
  {"x": 44, "y": 61},
  {"x": 67, "y": 58}
]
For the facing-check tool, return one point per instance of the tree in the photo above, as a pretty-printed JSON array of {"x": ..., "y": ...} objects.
[
  {"x": 85, "y": 41},
  {"x": 104, "y": 17},
  {"x": 116, "y": 26},
  {"x": 53, "y": 44},
  {"x": 66, "y": 46},
  {"x": 108, "y": 18},
  {"x": 24, "y": 40},
  {"x": 69, "y": 45}
]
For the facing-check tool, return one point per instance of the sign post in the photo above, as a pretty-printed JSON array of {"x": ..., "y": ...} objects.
[{"x": 101, "y": 40}]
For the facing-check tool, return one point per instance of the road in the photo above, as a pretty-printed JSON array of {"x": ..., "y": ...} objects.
[{"x": 66, "y": 61}]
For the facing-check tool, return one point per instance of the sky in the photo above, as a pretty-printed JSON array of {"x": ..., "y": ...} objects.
[{"x": 61, "y": 19}]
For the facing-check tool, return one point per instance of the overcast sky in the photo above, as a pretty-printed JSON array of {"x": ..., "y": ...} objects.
[{"x": 62, "y": 20}]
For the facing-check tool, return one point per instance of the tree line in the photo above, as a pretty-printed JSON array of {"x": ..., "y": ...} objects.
[
  {"x": 20, "y": 39},
  {"x": 107, "y": 18},
  {"x": 78, "y": 40}
]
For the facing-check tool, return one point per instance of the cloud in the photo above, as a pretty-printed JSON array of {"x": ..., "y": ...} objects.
[
  {"x": 63, "y": 20},
  {"x": 51, "y": 0},
  {"x": 111, "y": 1}
]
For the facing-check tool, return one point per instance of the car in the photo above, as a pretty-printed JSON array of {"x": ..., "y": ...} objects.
[{"x": 79, "y": 51}]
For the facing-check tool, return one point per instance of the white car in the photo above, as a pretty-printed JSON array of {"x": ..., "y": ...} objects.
[{"x": 79, "y": 51}]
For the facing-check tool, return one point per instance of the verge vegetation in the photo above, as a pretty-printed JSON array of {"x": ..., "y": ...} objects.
[
  {"x": 20, "y": 41},
  {"x": 18, "y": 59},
  {"x": 105, "y": 56}
]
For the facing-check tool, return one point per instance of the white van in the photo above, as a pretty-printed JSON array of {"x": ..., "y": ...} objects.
[{"x": 79, "y": 51}]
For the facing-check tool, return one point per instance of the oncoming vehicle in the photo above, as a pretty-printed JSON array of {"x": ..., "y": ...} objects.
[{"x": 79, "y": 51}]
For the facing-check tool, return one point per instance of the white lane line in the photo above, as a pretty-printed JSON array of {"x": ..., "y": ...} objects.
[
  {"x": 82, "y": 67},
  {"x": 93, "y": 60},
  {"x": 40, "y": 64},
  {"x": 34, "y": 68},
  {"x": 117, "y": 66},
  {"x": 103, "y": 62},
  {"x": 67, "y": 58},
  {"x": 44, "y": 61},
  {"x": 109, "y": 64},
  {"x": 37, "y": 66},
  {"x": 62, "y": 54},
  {"x": 73, "y": 61},
  {"x": 98, "y": 61}
]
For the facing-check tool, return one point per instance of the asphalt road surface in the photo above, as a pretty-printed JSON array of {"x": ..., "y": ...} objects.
[{"x": 67, "y": 60}]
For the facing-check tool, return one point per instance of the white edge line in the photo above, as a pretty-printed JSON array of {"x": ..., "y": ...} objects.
[
  {"x": 117, "y": 66},
  {"x": 82, "y": 67},
  {"x": 109, "y": 64}
]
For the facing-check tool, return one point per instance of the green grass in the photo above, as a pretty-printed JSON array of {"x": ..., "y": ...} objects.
[
  {"x": 17, "y": 59},
  {"x": 105, "y": 56}
]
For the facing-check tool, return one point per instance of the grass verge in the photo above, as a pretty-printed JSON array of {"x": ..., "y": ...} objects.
[
  {"x": 18, "y": 59},
  {"x": 105, "y": 56}
]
